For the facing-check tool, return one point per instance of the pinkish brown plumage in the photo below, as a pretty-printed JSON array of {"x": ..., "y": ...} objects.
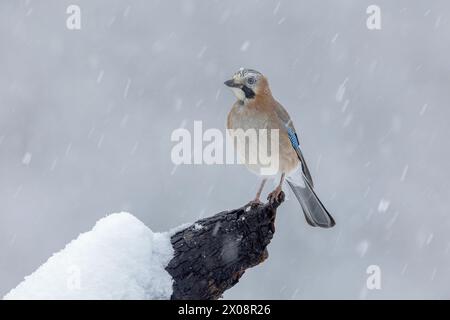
[{"x": 256, "y": 109}]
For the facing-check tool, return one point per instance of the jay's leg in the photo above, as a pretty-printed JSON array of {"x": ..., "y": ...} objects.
[
  {"x": 275, "y": 194},
  {"x": 256, "y": 201},
  {"x": 261, "y": 187}
]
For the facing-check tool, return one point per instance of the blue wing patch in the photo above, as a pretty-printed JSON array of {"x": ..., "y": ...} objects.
[
  {"x": 296, "y": 145},
  {"x": 293, "y": 137}
]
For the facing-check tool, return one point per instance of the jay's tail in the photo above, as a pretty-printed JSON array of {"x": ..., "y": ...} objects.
[{"x": 315, "y": 213}]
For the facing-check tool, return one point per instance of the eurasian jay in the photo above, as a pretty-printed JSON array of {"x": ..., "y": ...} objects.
[{"x": 256, "y": 109}]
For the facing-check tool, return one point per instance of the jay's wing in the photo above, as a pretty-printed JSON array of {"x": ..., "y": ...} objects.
[{"x": 285, "y": 119}]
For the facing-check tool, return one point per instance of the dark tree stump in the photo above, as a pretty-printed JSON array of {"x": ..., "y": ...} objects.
[{"x": 212, "y": 254}]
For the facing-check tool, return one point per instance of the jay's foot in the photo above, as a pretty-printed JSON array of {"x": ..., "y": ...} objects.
[{"x": 276, "y": 195}]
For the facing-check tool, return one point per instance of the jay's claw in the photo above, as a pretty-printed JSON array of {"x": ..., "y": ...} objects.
[{"x": 275, "y": 195}]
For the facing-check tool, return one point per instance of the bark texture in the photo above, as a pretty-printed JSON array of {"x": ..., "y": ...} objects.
[{"x": 213, "y": 253}]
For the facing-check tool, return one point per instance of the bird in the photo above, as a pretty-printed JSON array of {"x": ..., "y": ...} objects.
[{"x": 256, "y": 108}]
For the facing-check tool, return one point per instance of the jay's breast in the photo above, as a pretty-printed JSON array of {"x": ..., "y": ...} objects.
[{"x": 261, "y": 143}]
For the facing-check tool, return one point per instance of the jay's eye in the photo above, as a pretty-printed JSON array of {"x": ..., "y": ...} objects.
[{"x": 251, "y": 81}]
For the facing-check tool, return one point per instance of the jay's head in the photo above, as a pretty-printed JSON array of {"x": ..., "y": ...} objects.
[{"x": 248, "y": 84}]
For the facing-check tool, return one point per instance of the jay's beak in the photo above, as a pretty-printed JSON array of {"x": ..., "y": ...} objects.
[{"x": 232, "y": 84}]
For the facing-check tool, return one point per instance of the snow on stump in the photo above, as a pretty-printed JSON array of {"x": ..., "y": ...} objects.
[{"x": 120, "y": 258}]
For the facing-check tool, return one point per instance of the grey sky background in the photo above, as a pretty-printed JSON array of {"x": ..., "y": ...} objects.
[{"x": 86, "y": 118}]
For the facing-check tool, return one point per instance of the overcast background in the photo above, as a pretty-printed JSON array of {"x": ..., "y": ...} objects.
[{"x": 86, "y": 118}]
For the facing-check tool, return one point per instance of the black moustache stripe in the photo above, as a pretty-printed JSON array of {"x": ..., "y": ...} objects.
[{"x": 249, "y": 93}]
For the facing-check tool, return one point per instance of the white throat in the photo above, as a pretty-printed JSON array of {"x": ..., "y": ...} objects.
[{"x": 240, "y": 95}]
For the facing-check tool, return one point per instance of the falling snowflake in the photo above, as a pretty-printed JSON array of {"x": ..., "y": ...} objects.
[
  {"x": 341, "y": 91},
  {"x": 277, "y": 7},
  {"x": 127, "y": 88},
  {"x": 100, "y": 76},
  {"x": 26, "y": 158},
  {"x": 335, "y": 38},
  {"x": 405, "y": 171},
  {"x": 383, "y": 206},
  {"x": 216, "y": 229},
  {"x": 423, "y": 109},
  {"x": 362, "y": 248},
  {"x": 245, "y": 46}
]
